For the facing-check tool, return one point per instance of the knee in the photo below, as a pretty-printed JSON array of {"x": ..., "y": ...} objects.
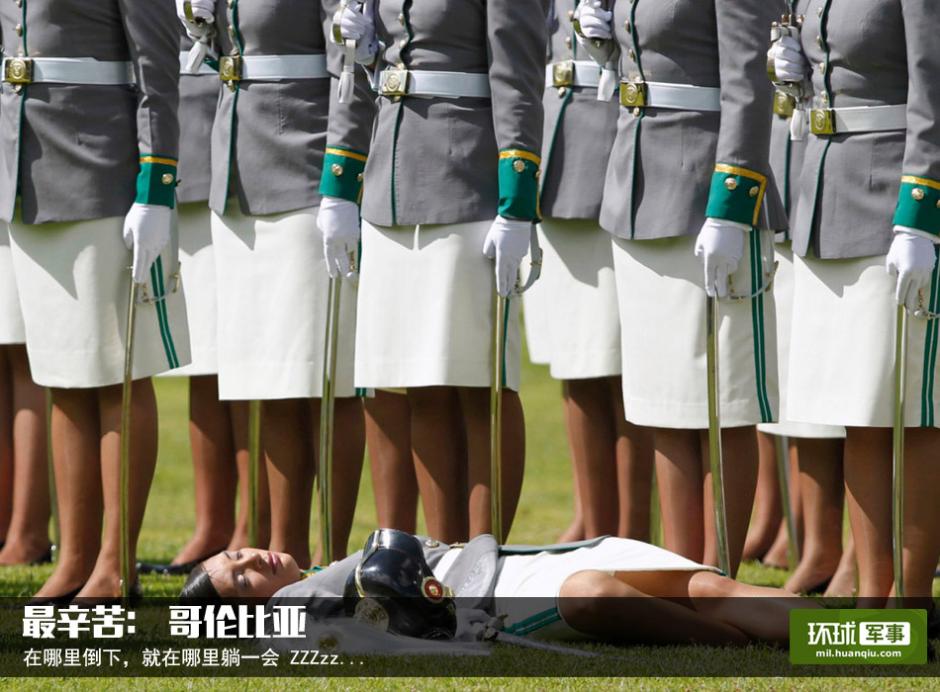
[
  {"x": 710, "y": 585},
  {"x": 583, "y": 598}
]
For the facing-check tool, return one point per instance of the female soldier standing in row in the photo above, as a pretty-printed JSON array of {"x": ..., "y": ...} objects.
[
  {"x": 267, "y": 152},
  {"x": 575, "y": 311},
  {"x": 691, "y": 157},
  {"x": 88, "y": 173},
  {"x": 870, "y": 68},
  {"x": 455, "y": 146}
]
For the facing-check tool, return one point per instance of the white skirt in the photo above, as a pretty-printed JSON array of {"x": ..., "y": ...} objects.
[
  {"x": 12, "y": 329},
  {"x": 783, "y": 294},
  {"x": 73, "y": 280},
  {"x": 272, "y": 289},
  {"x": 528, "y": 586},
  {"x": 534, "y": 313},
  {"x": 662, "y": 316},
  {"x": 574, "y": 310},
  {"x": 197, "y": 269},
  {"x": 842, "y": 348},
  {"x": 426, "y": 304}
]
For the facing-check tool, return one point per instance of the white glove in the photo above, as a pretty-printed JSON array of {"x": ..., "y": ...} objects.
[
  {"x": 338, "y": 221},
  {"x": 596, "y": 31},
  {"x": 789, "y": 62},
  {"x": 356, "y": 25},
  {"x": 911, "y": 259},
  {"x": 507, "y": 242},
  {"x": 202, "y": 10},
  {"x": 146, "y": 232},
  {"x": 720, "y": 244}
]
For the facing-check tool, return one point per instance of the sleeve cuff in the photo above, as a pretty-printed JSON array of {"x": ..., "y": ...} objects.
[
  {"x": 519, "y": 184},
  {"x": 919, "y": 205},
  {"x": 736, "y": 194},
  {"x": 156, "y": 181},
  {"x": 343, "y": 171}
]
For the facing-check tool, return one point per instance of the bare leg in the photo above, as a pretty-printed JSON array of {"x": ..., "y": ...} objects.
[
  {"x": 592, "y": 440},
  {"x": 348, "y": 452},
  {"x": 740, "y": 456},
  {"x": 778, "y": 554},
  {"x": 868, "y": 493},
  {"x": 28, "y": 536},
  {"x": 768, "y": 512},
  {"x": 238, "y": 416},
  {"x": 679, "y": 476},
  {"x": 6, "y": 442},
  {"x": 611, "y": 609},
  {"x": 436, "y": 430},
  {"x": 475, "y": 406},
  {"x": 844, "y": 582},
  {"x": 77, "y": 467},
  {"x": 821, "y": 490},
  {"x": 214, "y": 471},
  {"x": 575, "y": 530},
  {"x": 388, "y": 436},
  {"x": 921, "y": 513},
  {"x": 105, "y": 580},
  {"x": 634, "y": 449}
]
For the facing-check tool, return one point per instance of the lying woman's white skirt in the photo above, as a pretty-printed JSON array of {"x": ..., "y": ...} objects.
[
  {"x": 660, "y": 289},
  {"x": 73, "y": 280},
  {"x": 426, "y": 305},
  {"x": 572, "y": 316},
  {"x": 272, "y": 289},
  {"x": 783, "y": 294},
  {"x": 842, "y": 348},
  {"x": 197, "y": 269},
  {"x": 12, "y": 329},
  {"x": 529, "y": 585}
]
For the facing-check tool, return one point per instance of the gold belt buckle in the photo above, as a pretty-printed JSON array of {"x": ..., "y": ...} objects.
[
  {"x": 633, "y": 94},
  {"x": 822, "y": 121},
  {"x": 784, "y": 104},
  {"x": 18, "y": 70},
  {"x": 394, "y": 83},
  {"x": 563, "y": 74},
  {"x": 230, "y": 68}
]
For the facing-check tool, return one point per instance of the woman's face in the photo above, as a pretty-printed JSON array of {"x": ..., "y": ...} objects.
[{"x": 251, "y": 573}]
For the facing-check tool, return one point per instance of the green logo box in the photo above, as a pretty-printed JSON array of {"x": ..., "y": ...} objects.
[{"x": 858, "y": 637}]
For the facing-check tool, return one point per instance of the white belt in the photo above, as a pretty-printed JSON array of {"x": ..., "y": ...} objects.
[
  {"x": 831, "y": 121},
  {"x": 262, "y": 68},
  {"x": 428, "y": 83},
  {"x": 67, "y": 71},
  {"x": 569, "y": 73},
  {"x": 203, "y": 67},
  {"x": 684, "y": 97}
]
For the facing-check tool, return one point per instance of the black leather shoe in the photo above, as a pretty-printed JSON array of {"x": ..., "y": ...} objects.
[
  {"x": 60, "y": 600},
  {"x": 135, "y": 596},
  {"x": 183, "y": 568}
]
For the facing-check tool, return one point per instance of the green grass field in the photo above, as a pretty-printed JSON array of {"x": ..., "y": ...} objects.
[{"x": 545, "y": 510}]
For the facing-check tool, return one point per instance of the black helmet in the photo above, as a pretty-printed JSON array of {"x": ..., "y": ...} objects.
[{"x": 394, "y": 589}]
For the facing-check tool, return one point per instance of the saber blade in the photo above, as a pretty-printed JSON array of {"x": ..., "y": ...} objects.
[
  {"x": 897, "y": 465},
  {"x": 327, "y": 410},
  {"x": 124, "y": 470},
  {"x": 496, "y": 419},
  {"x": 714, "y": 435}
]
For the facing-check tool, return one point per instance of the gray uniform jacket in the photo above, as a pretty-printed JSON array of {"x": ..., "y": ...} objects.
[
  {"x": 868, "y": 53},
  {"x": 437, "y": 160},
  {"x": 199, "y": 94},
  {"x": 72, "y": 152},
  {"x": 579, "y": 131},
  {"x": 268, "y": 137},
  {"x": 665, "y": 162}
]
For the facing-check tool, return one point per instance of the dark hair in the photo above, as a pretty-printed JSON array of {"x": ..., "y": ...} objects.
[{"x": 199, "y": 587}]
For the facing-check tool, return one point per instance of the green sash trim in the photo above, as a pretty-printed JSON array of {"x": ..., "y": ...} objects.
[
  {"x": 156, "y": 181},
  {"x": 163, "y": 320},
  {"x": 535, "y": 622},
  {"x": 919, "y": 204},
  {"x": 757, "y": 320},
  {"x": 927, "y": 414}
]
